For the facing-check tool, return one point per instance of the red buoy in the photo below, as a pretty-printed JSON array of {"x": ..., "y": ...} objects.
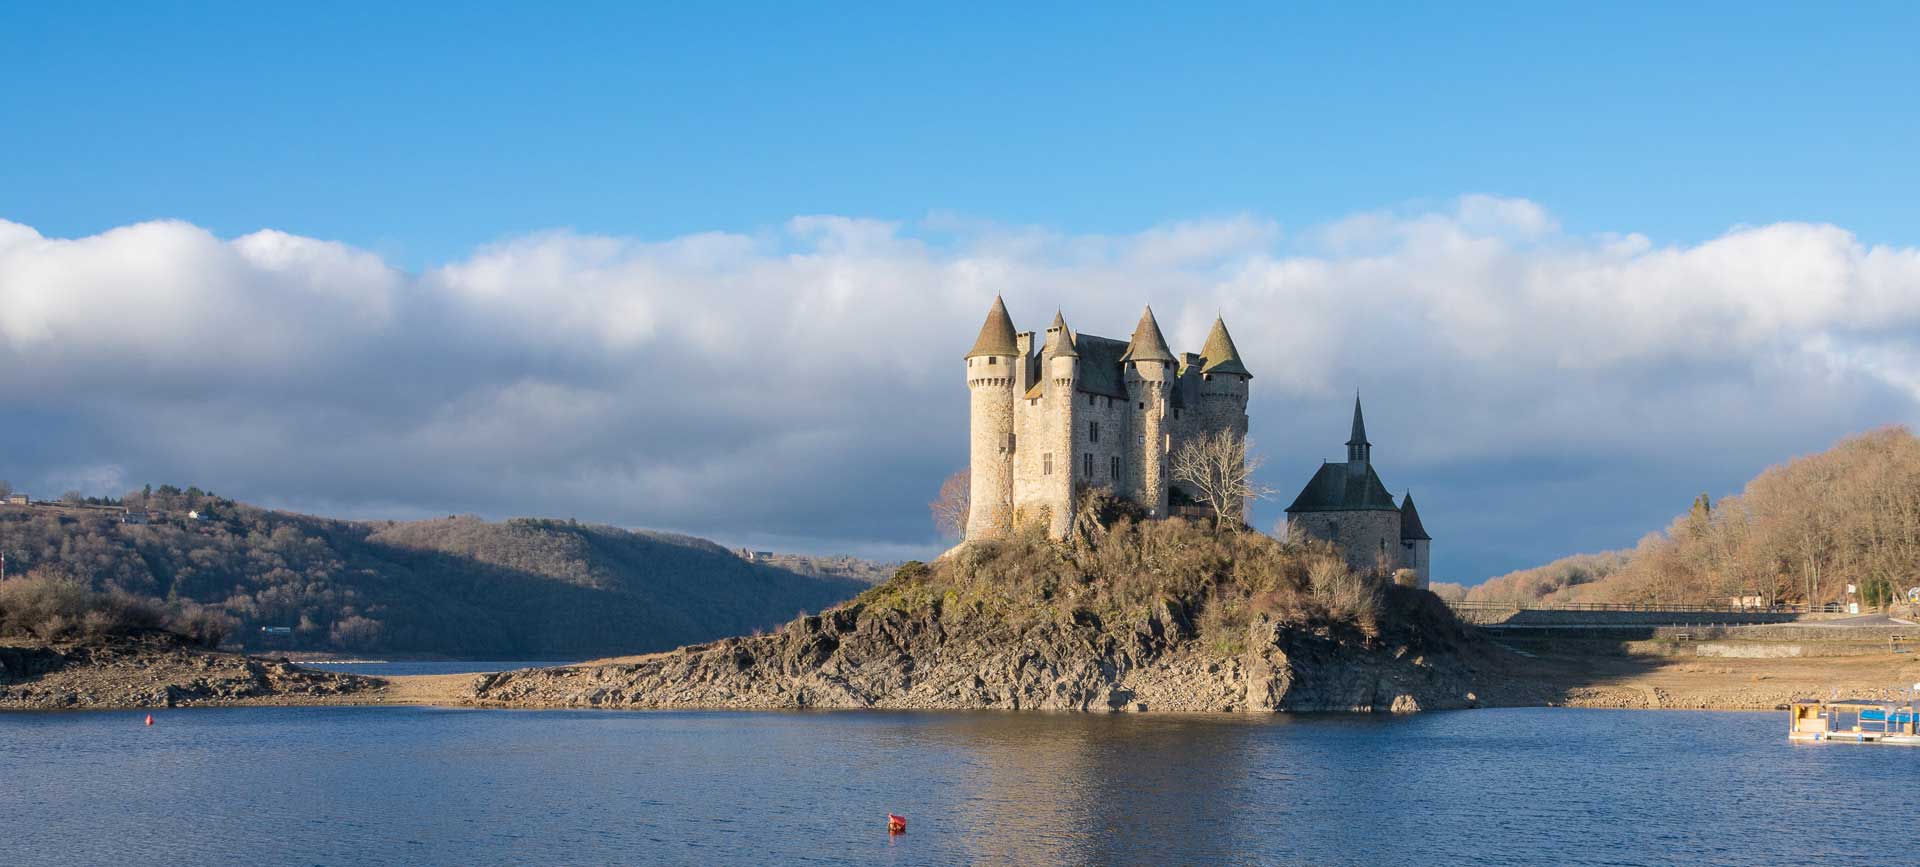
[
  {"x": 149, "y": 719},
  {"x": 896, "y": 824}
]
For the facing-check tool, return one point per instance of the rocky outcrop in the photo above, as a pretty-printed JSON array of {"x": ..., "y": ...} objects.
[
  {"x": 158, "y": 671},
  {"x": 865, "y": 657}
]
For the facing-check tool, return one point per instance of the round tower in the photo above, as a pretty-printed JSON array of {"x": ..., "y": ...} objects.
[
  {"x": 1149, "y": 372},
  {"x": 1060, "y": 362},
  {"x": 1223, "y": 385},
  {"x": 990, "y": 384}
]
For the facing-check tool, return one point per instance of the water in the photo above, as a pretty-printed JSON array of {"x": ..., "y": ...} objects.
[{"x": 372, "y": 785}]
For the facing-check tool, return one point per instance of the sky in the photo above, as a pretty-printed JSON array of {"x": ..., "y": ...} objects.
[{"x": 714, "y": 270}]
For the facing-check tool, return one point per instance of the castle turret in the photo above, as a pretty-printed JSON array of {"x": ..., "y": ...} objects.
[
  {"x": 1414, "y": 542},
  {"x": 1221, "y": 400},
  {"x": 991, "y": 383},
  {"x": 1060, "y": 360},
  {"x": 1149, "y": 377}
]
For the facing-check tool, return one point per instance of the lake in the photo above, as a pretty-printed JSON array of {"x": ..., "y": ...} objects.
[{"x": 352, "y": 786}]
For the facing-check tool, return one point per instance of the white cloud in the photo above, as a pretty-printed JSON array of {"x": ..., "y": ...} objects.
[{"x": 805, "y": 382}]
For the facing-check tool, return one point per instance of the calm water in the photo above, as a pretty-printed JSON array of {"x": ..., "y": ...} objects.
[{"x": 435, "y": 786}]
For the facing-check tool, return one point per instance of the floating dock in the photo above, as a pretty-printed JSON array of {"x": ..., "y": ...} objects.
[{"x": 1855, "y": 721}]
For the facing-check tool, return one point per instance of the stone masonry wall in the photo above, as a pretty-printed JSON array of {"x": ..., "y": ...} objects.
[{"x": 1361, "y": 535}]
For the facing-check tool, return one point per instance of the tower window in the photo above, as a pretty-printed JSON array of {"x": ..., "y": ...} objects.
[
  {"x": 1090, "y": 400},
  {"x": 993, "y": 359},
  {"x": 1093, "y": 431},
  {"x": 1086, "y": 465},
  {"x": 1116, "y": 474},
  {"x": 1046, "y": 464},
  {"x": 1143, "y": 404}
]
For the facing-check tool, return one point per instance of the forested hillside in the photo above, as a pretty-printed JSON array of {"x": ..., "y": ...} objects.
[
  {"x": 1800, "y": 531},
  {"x": 461, "y": 586}
]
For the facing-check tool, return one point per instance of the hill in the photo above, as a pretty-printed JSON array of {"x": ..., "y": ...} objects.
[
  {"x": 1161, "y": 615},
  {"x": 1799, "y": 532},
  {"x": 457, "y": 586}
]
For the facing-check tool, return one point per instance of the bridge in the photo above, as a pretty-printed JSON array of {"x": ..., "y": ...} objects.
[{"x": 1511, "y": 615}]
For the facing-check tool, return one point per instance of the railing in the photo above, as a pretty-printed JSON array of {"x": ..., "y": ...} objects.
[{"x": 1489, "y": 605}]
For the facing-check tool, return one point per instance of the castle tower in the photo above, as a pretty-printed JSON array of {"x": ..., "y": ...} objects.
[
  {"x": 1060, "y": 365},
  {"x": 1414, "y": 541},
  {"x": 990, "y": 383},
  {"x": 1222, "y": 388},
  {"x": 1149, "y": 377}
]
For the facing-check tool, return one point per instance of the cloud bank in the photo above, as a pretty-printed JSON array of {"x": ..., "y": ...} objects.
[{"x": 1542, "y": 391}]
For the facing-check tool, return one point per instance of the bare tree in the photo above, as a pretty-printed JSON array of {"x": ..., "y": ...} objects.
[
  {"x": 1219, "y": 469},
  {"x": 950, "y": 508}
]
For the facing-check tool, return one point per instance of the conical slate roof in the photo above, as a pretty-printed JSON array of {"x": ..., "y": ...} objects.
[
  {"x": 1337, "y": 489},
  {"x": 996, "y": 335},
  {"x": 1060, "y": 338},
  {"x": 1220, "y": 354},
  {"x": 1359, "y": 437},
  {"x": 1147, "y": 343},
  {"x": 1410, "y": 521}
]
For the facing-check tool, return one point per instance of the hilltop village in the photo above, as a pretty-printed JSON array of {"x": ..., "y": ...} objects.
[{"x": 1055, "y": 416}]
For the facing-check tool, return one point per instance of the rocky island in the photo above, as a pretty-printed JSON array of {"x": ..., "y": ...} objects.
[{"x": 1149, "y": 616}]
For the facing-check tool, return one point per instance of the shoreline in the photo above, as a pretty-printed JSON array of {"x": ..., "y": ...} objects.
[{"x": 150, "y": 677}]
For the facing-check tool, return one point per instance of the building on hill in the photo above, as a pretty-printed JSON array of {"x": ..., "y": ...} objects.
[
  {"x": 1346, "y": 504},
  {"x": 1072, "y": 411}
]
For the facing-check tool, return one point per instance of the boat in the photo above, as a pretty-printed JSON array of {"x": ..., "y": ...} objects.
[{"x": 1856, "y": 720}]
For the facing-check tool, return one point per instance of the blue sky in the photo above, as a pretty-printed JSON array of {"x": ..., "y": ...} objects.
[
  {"x": 445, "y": 229},
  {"x": 423, "y": 130}
]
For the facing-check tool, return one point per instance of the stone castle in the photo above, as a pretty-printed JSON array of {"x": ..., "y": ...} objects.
[{"x": 1079, "y": 411}]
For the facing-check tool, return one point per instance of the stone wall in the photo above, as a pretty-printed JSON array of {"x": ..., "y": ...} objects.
[{"x": 1364, "y": 536}]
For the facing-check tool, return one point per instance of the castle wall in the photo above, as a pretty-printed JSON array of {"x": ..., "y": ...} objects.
[
  {"x": 1115, "y": 432},
  {"x": 1363, "y": 536}
]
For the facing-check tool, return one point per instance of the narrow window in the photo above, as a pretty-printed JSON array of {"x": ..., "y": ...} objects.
[
  {"x": 1046, "y": 464},
  {"x": 1143, "y": 404},
  {"x": 1116, "y": 474},
  {"x": 1013, "y": 442},
  {"x": 1086, "y": 465},
  {"x": 1093, "y": 431},
  {"x": 993, "y": 359},
  {"x": 1090, "y": 400}
]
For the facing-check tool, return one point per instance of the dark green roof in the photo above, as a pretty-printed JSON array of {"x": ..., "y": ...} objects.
[
  {"x": 1359, "y": 436},
  {"x": 996, "y": 334},
  {"x": 1410, "y": 521},
  {"x": 1147, "y": 343},
  {"x": 1220, "y": 354},
  {"x": 1334, "y": 490},
  {"x": 1100, "y": 367}
]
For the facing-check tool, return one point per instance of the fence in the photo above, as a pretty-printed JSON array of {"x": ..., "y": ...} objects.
[{"x": 1654, "y": 607}]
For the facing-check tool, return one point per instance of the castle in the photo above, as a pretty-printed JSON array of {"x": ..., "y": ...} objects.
[
  {"x": 1082, "y": 411},
  {"x": 1345, "y": 503}
]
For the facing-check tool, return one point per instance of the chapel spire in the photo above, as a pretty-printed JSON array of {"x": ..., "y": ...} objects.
[{"x": 1358, "y": 449}]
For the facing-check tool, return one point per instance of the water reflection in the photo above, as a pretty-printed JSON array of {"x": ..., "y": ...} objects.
[{"x": 432, "y": 786}]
